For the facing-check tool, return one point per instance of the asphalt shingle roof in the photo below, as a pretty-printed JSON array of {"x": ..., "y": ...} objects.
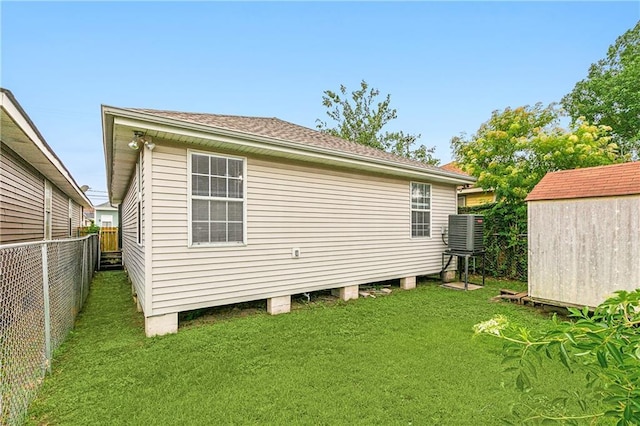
[
  {"x": 602, "y": 181},
  {"x": 272, "y": 127}
]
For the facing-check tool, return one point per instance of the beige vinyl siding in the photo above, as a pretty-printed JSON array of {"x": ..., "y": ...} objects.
[
  {"x": 350, "y": 229},
  {"x": 132, "y": 252},
  {"x": 581, "y": 251},
  {"x": 21, "y": 200},
  {"x": 76, "y": 218},
  {"x": 59, "y": 215}
]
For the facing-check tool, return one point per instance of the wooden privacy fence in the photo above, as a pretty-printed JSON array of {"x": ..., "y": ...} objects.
[{"x": 108, "y": 239}]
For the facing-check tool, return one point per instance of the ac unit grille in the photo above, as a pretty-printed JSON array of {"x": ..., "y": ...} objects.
[{"x": 465, "y": 233}]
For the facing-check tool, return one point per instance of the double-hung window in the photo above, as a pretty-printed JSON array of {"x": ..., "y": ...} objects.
[
  {"x": 420, "y": 210},
  {"x": 217, "y": 199}
]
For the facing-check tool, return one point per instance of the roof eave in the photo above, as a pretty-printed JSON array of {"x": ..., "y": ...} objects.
[
  {"x": 42, "y": 157},
  {"x": 113, "y": 116}
]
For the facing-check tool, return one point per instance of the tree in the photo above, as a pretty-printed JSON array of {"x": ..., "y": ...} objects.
[
  {"x": 605, "y": 343},
  {"x": 515, "y": 148},
  {"x": 361, "y": 118},
  {"x": 610, "y": 95},
  {"x": 509, "y": 154}
]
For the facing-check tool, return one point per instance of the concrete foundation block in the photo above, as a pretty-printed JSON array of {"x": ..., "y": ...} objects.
[
  {"x": 279, "y": 305},
  {"x": 138, "y": 305},
  {"x": 408, "y": 283},
  {"x": 158, "y": 325},
  {"x": 448, "y": 276},
  {"x": 346, "y": 293}
]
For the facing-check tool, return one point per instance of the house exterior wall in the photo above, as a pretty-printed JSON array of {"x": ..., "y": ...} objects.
[
  {"x": 60, "y": 215},
  {"x": 350, "y": 228},
  {"x": 76, "y": 218},
  {"x": 582, "y": 250},
  {"x": 108, "y": 212},
  {"x": 21, "y": 200},
  {"x": 22, "y": 203},
  {"x": 133, "y": 256},
  {"x": 478, "y": 199}
]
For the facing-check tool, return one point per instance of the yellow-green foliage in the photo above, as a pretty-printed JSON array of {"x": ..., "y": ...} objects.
[{"x": 516, "y": 147}]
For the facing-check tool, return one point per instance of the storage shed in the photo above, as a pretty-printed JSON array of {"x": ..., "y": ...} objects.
[
  {"x": 584, "y": 234},
  {"x": 220, "y": 209}
]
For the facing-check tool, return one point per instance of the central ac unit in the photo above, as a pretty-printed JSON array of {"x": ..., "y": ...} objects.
[{"x": 465, "y": 233}]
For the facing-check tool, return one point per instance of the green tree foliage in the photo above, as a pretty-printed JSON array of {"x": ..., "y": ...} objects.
[
  {"x": 610, "y": 95},
  {"x": 509, "y": 154},
  {"x": 605, "y": 344},
  {"x": 515, "y": 148},
  {"x": 360, "y": 117}
]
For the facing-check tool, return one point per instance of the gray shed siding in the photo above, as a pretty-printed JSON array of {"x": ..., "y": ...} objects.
[
  {"x": 21, "y": 199},
  {"x": 582, "y": 250},
  {"x": 351, "y": 228}
]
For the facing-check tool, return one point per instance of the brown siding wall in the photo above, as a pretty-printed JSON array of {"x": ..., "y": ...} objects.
[
  {"x": 21, "y": 199},
  {"x": 76, "y": 218},
  {"x": 59, "y": 215}
]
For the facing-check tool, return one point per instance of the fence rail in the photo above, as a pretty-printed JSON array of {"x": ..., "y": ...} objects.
[{"x": 43, "y": 286}]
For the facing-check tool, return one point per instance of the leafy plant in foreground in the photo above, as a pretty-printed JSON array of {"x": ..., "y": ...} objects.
[{"x": 606, "y": 343}]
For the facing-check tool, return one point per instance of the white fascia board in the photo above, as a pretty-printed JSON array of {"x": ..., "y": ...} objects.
[
  {"x": 279, "y": 146},
  {"x": 16, "y": 114},
  {"x": 107, "y": 143}
]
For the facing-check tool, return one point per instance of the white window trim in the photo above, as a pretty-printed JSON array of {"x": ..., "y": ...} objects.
[
  {"x": 190, "y": 198},
  {"x": 430, "y": 210}
]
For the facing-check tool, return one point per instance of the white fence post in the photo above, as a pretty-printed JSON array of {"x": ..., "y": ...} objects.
[{"x": 47, "y": 310}]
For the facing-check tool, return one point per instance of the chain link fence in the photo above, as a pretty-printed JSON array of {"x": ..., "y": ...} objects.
[
  {"x": 43, "y": 286},
  {"x": 506, "y": 256}
]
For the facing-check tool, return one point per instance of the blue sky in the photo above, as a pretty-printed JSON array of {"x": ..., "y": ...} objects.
[{"x": 447, "y": 65}]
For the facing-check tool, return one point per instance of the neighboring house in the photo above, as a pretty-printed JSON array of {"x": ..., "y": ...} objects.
[
  {"x": 39, "y": 200},
  {"x": 224, "y": 209},
  {"x": 89, "y": 218},
  {"x": 106, "y": 215},
  {"x": 584, "y": 234},
  {"x": 470, "y": 195}
]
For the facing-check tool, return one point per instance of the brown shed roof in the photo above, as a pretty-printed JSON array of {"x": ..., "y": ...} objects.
[{"x": 602, "y": 181}]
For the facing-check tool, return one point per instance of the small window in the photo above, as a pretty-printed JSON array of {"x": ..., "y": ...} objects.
[
  {"x": 217, "y": 199},
  {"x": 420, "y": 210}
]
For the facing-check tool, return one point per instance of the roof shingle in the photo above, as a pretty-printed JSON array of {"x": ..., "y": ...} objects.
[
  {"x": 602, "y": 181},
  {"x": 272, "y": 127}
]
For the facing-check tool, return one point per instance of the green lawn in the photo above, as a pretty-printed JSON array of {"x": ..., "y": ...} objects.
[{"x": 407, "y": 358}]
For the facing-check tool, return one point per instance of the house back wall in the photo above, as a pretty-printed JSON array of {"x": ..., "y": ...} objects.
[{"x": 351, "y": 229}]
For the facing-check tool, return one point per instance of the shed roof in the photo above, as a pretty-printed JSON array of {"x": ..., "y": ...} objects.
[{"x": 602, "y": 181}]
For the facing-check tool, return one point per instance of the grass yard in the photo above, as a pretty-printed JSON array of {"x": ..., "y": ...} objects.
[{"x": 406, "y": 358}]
